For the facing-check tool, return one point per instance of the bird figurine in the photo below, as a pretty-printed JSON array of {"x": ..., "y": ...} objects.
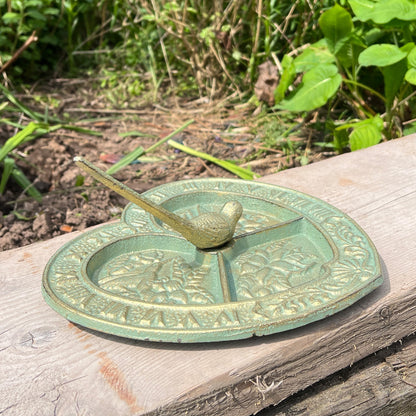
[{"x": 207, "y": 230}]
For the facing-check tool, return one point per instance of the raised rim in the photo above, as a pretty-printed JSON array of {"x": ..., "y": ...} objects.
[{"x": 357, "y": 267}]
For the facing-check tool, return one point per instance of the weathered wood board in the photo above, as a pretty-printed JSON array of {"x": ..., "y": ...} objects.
[
  {"x": 50, "y": 366},
  {"x": 383, "y": 384}
]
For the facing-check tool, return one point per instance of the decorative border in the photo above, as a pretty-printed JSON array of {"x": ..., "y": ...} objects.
[{"x": 354, "y": 272}]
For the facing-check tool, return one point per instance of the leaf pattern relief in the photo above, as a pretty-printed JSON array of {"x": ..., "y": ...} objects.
[
  {"x": 152, "y": 276},
  {"x": 251, "y": 221},
  {"x": 350, "y": 270},
  {"x": 275, "y": 268}
]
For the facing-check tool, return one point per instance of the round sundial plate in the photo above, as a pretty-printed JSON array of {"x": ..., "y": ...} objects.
[{"x": 294, "y": 259}]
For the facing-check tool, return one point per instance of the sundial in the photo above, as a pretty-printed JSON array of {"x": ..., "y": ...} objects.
[{"x": 211, "y": 260}]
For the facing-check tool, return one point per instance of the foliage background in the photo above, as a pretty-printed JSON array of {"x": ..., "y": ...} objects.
[
  {"x": 208, "y": 46},
  {"x": 330, "y": 55}
]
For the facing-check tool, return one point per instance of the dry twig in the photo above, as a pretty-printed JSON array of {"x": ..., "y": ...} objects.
[{"x": 32, "y": 38}]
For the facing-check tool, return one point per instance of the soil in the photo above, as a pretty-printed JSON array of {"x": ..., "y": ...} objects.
[{"x": 68, "y": 204}]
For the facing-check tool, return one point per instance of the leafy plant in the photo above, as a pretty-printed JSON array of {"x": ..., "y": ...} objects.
[
  {"x": 341, "y": 68},
  {"x": 210, "y": 47},
  {"x": 18, "y": 20},
  {"x": 9, "y": 167},
  {"x": 60, "y": 28}
]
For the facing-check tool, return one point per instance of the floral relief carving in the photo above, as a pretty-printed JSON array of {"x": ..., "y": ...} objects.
[
  {"x": 156, "y": 278},
  {"x": 275, "y": 268}
]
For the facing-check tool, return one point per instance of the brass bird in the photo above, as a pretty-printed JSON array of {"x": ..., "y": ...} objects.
[{"x": 208, "y": 230}]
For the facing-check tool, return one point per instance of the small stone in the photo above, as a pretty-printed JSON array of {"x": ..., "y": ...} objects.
[
  {"x": 73, "y": 217},
  {"x": 42, "y": 224}
]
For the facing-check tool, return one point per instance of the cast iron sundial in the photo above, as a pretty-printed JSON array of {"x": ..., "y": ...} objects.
[{"x": 172, "y": 271}]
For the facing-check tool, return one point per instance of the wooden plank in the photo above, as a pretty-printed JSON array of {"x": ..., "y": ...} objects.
[
  {"x": 50, "y": 366},
  {"x": 383, "y": 384}
]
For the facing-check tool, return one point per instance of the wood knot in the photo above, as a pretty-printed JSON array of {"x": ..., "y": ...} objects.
[
  {"x": 35, "y": 338},
  {"x": 385, "y": 314}
]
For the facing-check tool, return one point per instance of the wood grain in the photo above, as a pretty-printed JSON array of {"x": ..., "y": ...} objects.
[
  {"x": 383, "y": 384},
  {"x": 50, "y": 366}
]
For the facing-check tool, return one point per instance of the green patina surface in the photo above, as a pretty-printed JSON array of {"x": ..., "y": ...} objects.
[{"x": 293, "y": 259}]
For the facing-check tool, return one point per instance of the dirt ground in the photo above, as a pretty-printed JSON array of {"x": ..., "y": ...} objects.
[{"x": 67, "y": 205}]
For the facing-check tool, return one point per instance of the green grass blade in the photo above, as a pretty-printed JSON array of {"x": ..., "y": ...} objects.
[
  {"x": 230, "y": 166},
  {"x": 21, "y": 217},
  {"x": 11, "y": 123},
  {"x": 8, "y": 165},
  {"x": 3, "y": 105},
  {"x": 31, "y": 114},
  {"x": 81, "y": 130},
  {"x": 25, "y": 184},
  {"x": 126, "y": 160},
  {"x": 169, "y": 136},
  {"x": 34, "y": 115},
  {"x": 19, "y": 138},
  {"x": 73, "y": 128},
  {"x": 135, "y": 133},
  {"x": 139, "y": 151}
]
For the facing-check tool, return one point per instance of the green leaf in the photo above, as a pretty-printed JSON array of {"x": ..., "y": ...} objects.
[
  {"x": 383, "y": 11},
  {"x": 317, "y": 87},
  {"x": 51, "y": 11},
  {"x": 316, "y": 54},
  {"x": 33, "y": 3},
  {"x": 387, "y": 10},
  {"x": 393, "y": 79},
  {"x": 286, "y": 79},
  {"x": 373, "y": 35},
  {"x": 364, "y": 136},
  {"x": 8, "y": 166},
  {"x": 35, "y": 14},
  {"x": 365, "y": 133},
  {"x": 10, "y": 18},
  {"x": 410, "y": 76},
  {"x": 409, "y": 129},
  {"x": 79, "y": 180},
  {"x": 207, "y": 35},
  {"x": 408, "y": 47},
  {"x": 411, "y": 58},
  {"x": 149, "y": 17},
  {"x": 348, "y": 54},
  {"x": 237, "y": 55},
  {"x": 340, "y": 140},
  {"x": 336, "y": 25},
  {"x": 362, "y": 8},
  {"x": 383, "y": 54}
]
